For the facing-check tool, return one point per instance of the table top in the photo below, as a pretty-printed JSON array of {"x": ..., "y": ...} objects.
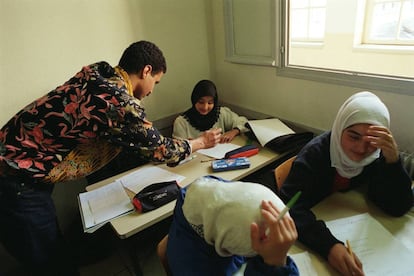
[
  {"x": 128, "y": 225},
  {"x": 341, "y": 205}
]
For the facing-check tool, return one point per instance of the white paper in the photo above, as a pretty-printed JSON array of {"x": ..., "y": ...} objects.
[
  {"x": 219, "y": 150},
  {"x": 100, "y": 205},
  {"x": 304, "y": 264},
  {"x": 139, "y": 179},
  {"x": 268, "y": 129},
  {"x": 378, "y": 250}
]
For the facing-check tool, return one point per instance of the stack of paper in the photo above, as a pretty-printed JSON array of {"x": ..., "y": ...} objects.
[{"x": 100, "y": 205}]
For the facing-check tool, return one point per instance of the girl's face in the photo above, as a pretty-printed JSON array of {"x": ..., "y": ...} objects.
[
  {"x": 353, "y": 144},
  {"x": 204, "y": 105}
]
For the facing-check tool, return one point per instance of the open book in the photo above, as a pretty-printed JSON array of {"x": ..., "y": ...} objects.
[{"x": 276, "y": 135}]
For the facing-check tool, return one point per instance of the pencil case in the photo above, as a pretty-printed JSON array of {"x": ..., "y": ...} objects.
[
  {"x": 155, "y": 196},
  {"x": 244, "y": 151},
  {"x": 230, "y": 164}
]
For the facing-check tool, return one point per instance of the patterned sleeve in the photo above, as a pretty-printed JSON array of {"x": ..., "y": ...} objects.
[{"x": 131, "y": 129}]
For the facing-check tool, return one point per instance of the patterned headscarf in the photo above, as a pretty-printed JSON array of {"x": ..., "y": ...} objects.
[
  {"x": 222, "y": 212},
  {"x": 203, "y": 122},
  {"x": 360, "y": 108}
]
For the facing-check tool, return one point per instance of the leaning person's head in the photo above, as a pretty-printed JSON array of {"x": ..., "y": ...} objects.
[
  {"x": 145, "y": 63},
  {"x": 349, "y": 151},
  {"x": 204, "y": 96},
  {"x": 142, "y": 53},
  {"x": 222, "y": 212}
]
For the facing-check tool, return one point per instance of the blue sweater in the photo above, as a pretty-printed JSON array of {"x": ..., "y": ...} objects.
[
  {"x": 387, "y": 185},
  {"x": 189, "y": 254}
]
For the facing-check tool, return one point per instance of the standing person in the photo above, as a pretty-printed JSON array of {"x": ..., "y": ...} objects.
[
  {"x": 359, "y": 150},
  {"x": 69, "y": 133},
  {"x": 206, "y": 114},
  {"x": 219, "y": 225}
]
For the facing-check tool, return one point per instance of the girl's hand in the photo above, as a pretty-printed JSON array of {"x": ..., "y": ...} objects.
[
  {"x": 381, "y": 137},
  {"x": 229, "y": 135}
]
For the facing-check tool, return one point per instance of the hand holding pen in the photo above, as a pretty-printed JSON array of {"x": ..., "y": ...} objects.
[{"x": 282, "y": 234}]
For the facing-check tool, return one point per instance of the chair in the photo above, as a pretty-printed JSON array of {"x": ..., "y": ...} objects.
[
  {"x": 282, "y": 171},
  {"x": 162, "y": 254}
]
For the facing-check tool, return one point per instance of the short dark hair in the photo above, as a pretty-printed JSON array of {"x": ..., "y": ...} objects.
[{"x": 142, "y": 53}]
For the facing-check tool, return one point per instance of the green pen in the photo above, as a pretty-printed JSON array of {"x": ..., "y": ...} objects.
[{"x": 289, "y": 205}]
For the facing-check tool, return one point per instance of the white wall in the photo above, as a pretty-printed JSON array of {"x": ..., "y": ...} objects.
[
  {"x": 306, "y": 102},
  {"x": 45, "y": 42}
]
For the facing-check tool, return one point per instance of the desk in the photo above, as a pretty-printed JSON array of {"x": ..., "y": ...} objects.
[
  {"x": 131, "y": 224},
  {"x": 340, "y": 205}
]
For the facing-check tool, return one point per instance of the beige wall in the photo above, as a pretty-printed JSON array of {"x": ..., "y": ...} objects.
[
  {"x": 306, "y": 102},
  {"x": 42, "y": 43}
]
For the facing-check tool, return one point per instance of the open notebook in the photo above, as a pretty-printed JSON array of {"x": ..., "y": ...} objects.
[{"x": 276, "y": 135}]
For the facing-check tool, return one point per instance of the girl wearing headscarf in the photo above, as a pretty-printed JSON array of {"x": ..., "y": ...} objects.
[
  {"x": 206, "y": 114},
  {"x": 359, "y": 150},
  {"x": 219, "y": 225}
]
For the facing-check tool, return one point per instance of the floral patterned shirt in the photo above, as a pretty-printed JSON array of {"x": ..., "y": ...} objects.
[{"x": 93, "y": 104}]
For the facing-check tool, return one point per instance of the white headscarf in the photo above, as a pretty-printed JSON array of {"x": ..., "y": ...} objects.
[
  {"x": 360, "y": 108},
  {"x": 225, "y": 210}
]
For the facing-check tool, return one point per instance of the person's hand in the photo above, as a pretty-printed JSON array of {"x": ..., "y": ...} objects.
[
  {"x": 273, "y": 244},
  {"x": 381, "y": 137},
  {"x": 229, "y": 135},
  {"x": 207, "y": 139},
  {"x": 343, "y": 262}
]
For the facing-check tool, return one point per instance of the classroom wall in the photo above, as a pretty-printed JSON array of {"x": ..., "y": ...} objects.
[
  {"x": 310, "y": 103},
  {"x": 44, "y": 43}
]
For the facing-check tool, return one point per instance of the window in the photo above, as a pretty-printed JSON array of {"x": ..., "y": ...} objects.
[
  {"x": 361, "y": 43},
  {"x": 307, "y": 20},
  {"x": 389, "y": 22}
]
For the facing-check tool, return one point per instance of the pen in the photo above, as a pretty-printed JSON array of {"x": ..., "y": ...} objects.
[
  {"x": 208, "y": 160},
  {"x": 289, "y": 205},
  {"x": 187, "y": 160},
  {"x": 348, "y": 246}
]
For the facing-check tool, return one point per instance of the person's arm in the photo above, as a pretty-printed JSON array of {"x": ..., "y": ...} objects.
[
  {"x": 312, "y": 174},
  {"x": 272, "y": 245},
  {"x": 132, "y": 130},
  {"x": 389, "y": 184},
  {"x": 233, "y": 124}
]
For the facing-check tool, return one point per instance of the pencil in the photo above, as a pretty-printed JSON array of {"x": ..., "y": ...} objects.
[
  {"x": 289, "y": 205},
  {"x": 348, "y": 246}
]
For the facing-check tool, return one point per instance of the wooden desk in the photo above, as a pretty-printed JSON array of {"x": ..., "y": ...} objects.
[
  {"x": 131, "y": 224},
  {"x": 340, "y": 205}
]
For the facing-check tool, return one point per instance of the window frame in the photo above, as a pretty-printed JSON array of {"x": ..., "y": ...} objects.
[{"x": 400, "y": 85}]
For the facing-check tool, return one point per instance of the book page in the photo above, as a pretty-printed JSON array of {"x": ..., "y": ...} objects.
[
  {"x": 268, "y": 129},
  {"x": 107, "y": 202},
  {"x": 378, "y": 250},
  {"x": 141, "y": 178},
  {"x": 219, "y": 150}
]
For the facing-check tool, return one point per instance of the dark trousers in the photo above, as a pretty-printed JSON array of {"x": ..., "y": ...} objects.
[{"x": 29, "y": 230}]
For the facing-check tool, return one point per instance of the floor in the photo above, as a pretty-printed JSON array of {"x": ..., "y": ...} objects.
[{"x": 105, "y": 254}]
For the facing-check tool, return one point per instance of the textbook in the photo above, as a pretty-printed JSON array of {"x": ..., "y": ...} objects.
[{"x": 276, "y": 135}]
